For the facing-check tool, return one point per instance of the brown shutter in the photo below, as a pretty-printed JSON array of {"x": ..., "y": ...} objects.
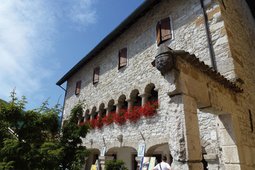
[
  {"x": 158, "y": 33},
  {"x": 96, "y": 75},
  {"x": 123, "y": 57},
  {"x": 165, "y": 29},
  {"x": 78, "y": 87}
]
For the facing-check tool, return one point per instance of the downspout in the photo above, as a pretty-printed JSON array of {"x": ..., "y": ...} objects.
[
  {"x": 61, "y": 118},
  {"x": 209, "y": 37}
]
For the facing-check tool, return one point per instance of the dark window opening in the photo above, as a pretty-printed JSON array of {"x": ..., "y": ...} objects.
[
  {"x": 113, "y": 109},
  {"x": 96, "y": 75},
  {"x": 153, "y": 95},
  {"x": 87, "y": 116},
  {"x": 135, "y": 98},
  {"x": 103, "y": 113},
  {"x": 78, "y": 88},
  {"x": 94, "y": 113},
  {"x": 122, "y": 57}
]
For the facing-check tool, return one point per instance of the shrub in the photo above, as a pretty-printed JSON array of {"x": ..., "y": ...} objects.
[{"x": 115, "y": 165}]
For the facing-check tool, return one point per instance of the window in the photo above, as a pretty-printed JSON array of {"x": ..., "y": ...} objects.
[
  {"x": 122, "y": 57},
  {"x": 96, "y": 75},
  {"x": 78, "y": 88},
  {"x": 163, "y": 31}
]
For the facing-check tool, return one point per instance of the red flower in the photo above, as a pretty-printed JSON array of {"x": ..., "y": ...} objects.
[
  {"x": 109, "y": 118},
  {"x": 134, "y": 114},
  {"x": 92, "y": 123},
  {"x": 149, "y": 109},
  {"x": 119, "y": 118},
  {"x": 99, "y": 122}
]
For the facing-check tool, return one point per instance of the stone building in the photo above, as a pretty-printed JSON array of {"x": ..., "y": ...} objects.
[{"x": 196, "y": 58}]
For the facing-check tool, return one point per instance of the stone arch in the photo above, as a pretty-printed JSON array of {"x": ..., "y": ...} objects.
[
  {"x": 94, "y": 112},
  {"x": 87, "y": 115},
  {"x": 136, "y": 100},
  {"x": 160, "y": 150},
  {"x": 111, "y": 106},
  {"x": 152, "y": 92},
  {"x": 102, "y": 110},
  {"x": 122, "y": 103},
  {"x": 125, "y": 153},
  {"x": 93, "y": 156}
]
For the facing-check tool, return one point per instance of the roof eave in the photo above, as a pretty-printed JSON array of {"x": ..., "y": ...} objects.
[{"x": 140, "y": 11}]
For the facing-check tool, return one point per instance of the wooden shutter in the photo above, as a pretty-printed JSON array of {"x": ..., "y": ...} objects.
[
  {"x": 123, "y": 57},
  {"x": 158, "y": 33},
  {"x": 165, "y": 29},
  {"x": 78, "y": 87},
  {"x": 96, "y": 75}
]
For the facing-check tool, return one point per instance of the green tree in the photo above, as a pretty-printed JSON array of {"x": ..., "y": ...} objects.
[{"x": 32, "y": 140}]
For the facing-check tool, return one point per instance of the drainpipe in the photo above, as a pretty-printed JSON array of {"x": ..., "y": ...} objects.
[
  {"x": 209, "y": 37},
  {"x": 61, "y": 118}
]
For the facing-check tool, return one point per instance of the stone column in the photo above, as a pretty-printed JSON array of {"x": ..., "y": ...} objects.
[
  {"x": 185, "y": 141},
  {"x": 102, "y": 160},
  {"x": 130, "y": 104},
  {"x": 144, "y": 97},
  {"x": 107, "y": 110},
  {"x": 117, "y": 107}
]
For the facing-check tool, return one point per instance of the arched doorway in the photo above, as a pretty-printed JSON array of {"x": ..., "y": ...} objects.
[
  {"x": 159, "y": 151},
  {"x": 93, "y": 156},
  {"x": 126, "y": 154}
]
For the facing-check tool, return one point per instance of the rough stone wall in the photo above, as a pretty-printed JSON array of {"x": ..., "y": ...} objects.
[
  {"x": 209, "y": 139},
  {"x": 140, "y": 40},
  {"x": 240, "y": 28}
]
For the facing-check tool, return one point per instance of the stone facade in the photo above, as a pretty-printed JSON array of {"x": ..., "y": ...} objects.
[{"x": 198, "y": 118}]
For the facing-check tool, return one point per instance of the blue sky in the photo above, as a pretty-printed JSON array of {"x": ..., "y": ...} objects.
[{"x": 40, "y": 40}]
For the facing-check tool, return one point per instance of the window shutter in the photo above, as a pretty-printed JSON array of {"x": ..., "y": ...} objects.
[
  {"x": 158, "y": 32},
  {"x": 78, "y": 88},
  {"x": 96, "y": 75},
  {"x": 123, "y": 57},
  {"x": 165, "y": 29}
]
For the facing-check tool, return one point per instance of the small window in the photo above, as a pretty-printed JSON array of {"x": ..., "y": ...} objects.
[
  {"x": 163, "y": 30},
  {"x": 78, "y": 88},
  {"x": 96, "y": 75},
  {"x": 122, "y": 57}
]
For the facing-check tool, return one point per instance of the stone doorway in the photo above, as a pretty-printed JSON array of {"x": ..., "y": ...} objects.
[
  {"x": 159, "y": 151},
  {"x": 126, "y": 154}
]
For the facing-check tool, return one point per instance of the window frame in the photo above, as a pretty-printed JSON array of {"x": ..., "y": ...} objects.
[
  {"x": 78, "y": 88},
  {"x": 124, "y": 56},
  {"x": 159, "y": 38},
  {"x": 96, "y": 73}
]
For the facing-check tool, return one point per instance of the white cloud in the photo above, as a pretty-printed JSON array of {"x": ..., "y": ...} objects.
[
  {"x": 82, "y": 12},
  {"x": 24, "y": 32},
  {"x": 28, "y": 30}
]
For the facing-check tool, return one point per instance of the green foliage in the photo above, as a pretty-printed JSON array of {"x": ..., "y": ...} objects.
[
  {"x": 115, "y": 165},
  {"x": 74, "y": 153},
  {"x": 32, "y": 140}
]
